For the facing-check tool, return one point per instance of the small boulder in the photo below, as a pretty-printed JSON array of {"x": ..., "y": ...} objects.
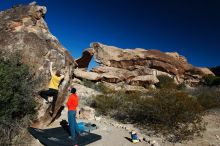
[{"x": 87, "y": 113}]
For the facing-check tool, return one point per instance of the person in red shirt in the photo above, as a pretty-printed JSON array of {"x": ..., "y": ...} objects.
[{"x": 72, "y": 104}]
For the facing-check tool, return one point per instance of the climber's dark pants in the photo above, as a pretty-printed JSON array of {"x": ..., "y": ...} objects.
[{"x": 50, "y": 92}]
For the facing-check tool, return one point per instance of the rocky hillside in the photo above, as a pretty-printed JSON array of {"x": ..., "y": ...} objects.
[
  {"x": 24, "y": 31},
  {"x": 137, "y": 66}
]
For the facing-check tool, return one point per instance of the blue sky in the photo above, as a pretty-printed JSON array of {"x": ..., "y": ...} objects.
[{"x": 190, "y": 27}]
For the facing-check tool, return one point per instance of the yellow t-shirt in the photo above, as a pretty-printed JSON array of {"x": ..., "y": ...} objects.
[{"x": 54, "y": 82}]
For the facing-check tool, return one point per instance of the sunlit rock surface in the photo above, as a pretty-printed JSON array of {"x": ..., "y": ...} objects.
[{"x": 24, "y": 31}]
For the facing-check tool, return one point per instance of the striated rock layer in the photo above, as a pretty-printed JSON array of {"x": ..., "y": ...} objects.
[
  {"x": 139, "y": 66},
  {"x": 24, "y": 31}
]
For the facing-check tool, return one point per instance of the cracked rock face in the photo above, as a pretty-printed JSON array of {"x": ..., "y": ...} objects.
[
  {"x": 140, "y": 66},
  {"x": 24, "y": 31}
]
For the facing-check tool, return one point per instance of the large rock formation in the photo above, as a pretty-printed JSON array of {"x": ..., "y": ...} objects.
[
  {"x": 140, "y": 66},
  {"x": 24, "y": 31}
]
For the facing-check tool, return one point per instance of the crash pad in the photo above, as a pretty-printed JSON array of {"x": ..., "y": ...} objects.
[{"x": 60, "y": 137}]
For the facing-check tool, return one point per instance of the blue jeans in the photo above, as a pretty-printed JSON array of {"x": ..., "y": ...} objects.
[{"x": 72, "y": 124}]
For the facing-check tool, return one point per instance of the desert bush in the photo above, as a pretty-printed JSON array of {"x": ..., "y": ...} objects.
[
  {"x": 16, "y": 101},
  {"x": 208, "y": 97},
  {"x": 165, "y": 82},
  {"x": 105, "y": 105},
  {"x": 181, "y": 86},
  {"x": 88, "y": 83},
  {"x": 173, "y": 113},
  {"x": 176, "y": 114},
  {"x": 211, "y": 80}
]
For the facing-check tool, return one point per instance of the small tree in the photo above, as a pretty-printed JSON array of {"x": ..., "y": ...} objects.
[{"x": 16, "y": 100}]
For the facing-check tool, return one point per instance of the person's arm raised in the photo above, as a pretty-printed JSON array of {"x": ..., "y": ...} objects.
[{"x": 51, "y": 70}]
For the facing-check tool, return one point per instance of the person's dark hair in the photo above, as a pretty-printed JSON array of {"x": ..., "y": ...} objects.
[
  {"x": 73, "y": 90},
  {"x": 58, "y": 73}
]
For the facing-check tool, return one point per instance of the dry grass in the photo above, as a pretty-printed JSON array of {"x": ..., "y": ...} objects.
[{"x": 176, "y": 114}]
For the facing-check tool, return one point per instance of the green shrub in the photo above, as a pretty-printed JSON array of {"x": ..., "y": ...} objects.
[
  {"x": 165, "y": 82},
  {"x": 211, "y": 80},
  {"x": 106, "y": 105},
  {"x": 88, "y": 83},
  {"x": 172, "y": 113},
  {"x": 16, "y": 99},
  {"x": 181, "y": 86}
]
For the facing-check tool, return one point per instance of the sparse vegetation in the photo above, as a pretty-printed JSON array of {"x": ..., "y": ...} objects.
[
  {"x": 173, "y": 112},
  {"x": 208, "y": 97},
  {"x": 165, "y": 82},
  {"x": 181, "y": 86},
  {"x": 17, "y": 106},
  {"x": 88, "y": 83}
]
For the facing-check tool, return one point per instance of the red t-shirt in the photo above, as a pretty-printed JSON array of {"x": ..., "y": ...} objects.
[{"x": 72, "y": 102}]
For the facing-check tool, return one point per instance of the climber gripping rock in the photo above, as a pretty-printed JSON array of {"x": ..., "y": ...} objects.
[{"x": 53, "y": 87}]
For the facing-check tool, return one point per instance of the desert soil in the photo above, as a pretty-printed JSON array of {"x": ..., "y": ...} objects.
[{"x": 112, "y": 136}]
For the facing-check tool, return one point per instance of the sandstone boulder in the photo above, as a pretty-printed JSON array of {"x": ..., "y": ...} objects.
[
  {"x": 24, "y": 31},
  {"x": 125, "y": 87},
  {"x": 134, "y": 66},
  {"x": 86, "y": 75},
  {"x": 112, "y": 72},
  {"x": 87, "y": 113},
  {"x": 124, "y": 58},
  {"x": 144, "y": 81},
  {"x": 84, "y": 61},
  {"x": 205, "y": 71}
]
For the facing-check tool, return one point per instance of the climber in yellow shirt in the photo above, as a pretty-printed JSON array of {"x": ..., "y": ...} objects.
[{"x": 53, "y": 87}]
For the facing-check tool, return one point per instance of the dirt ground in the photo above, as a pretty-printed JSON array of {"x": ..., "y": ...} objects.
[{"x": 112, "y": 136}]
